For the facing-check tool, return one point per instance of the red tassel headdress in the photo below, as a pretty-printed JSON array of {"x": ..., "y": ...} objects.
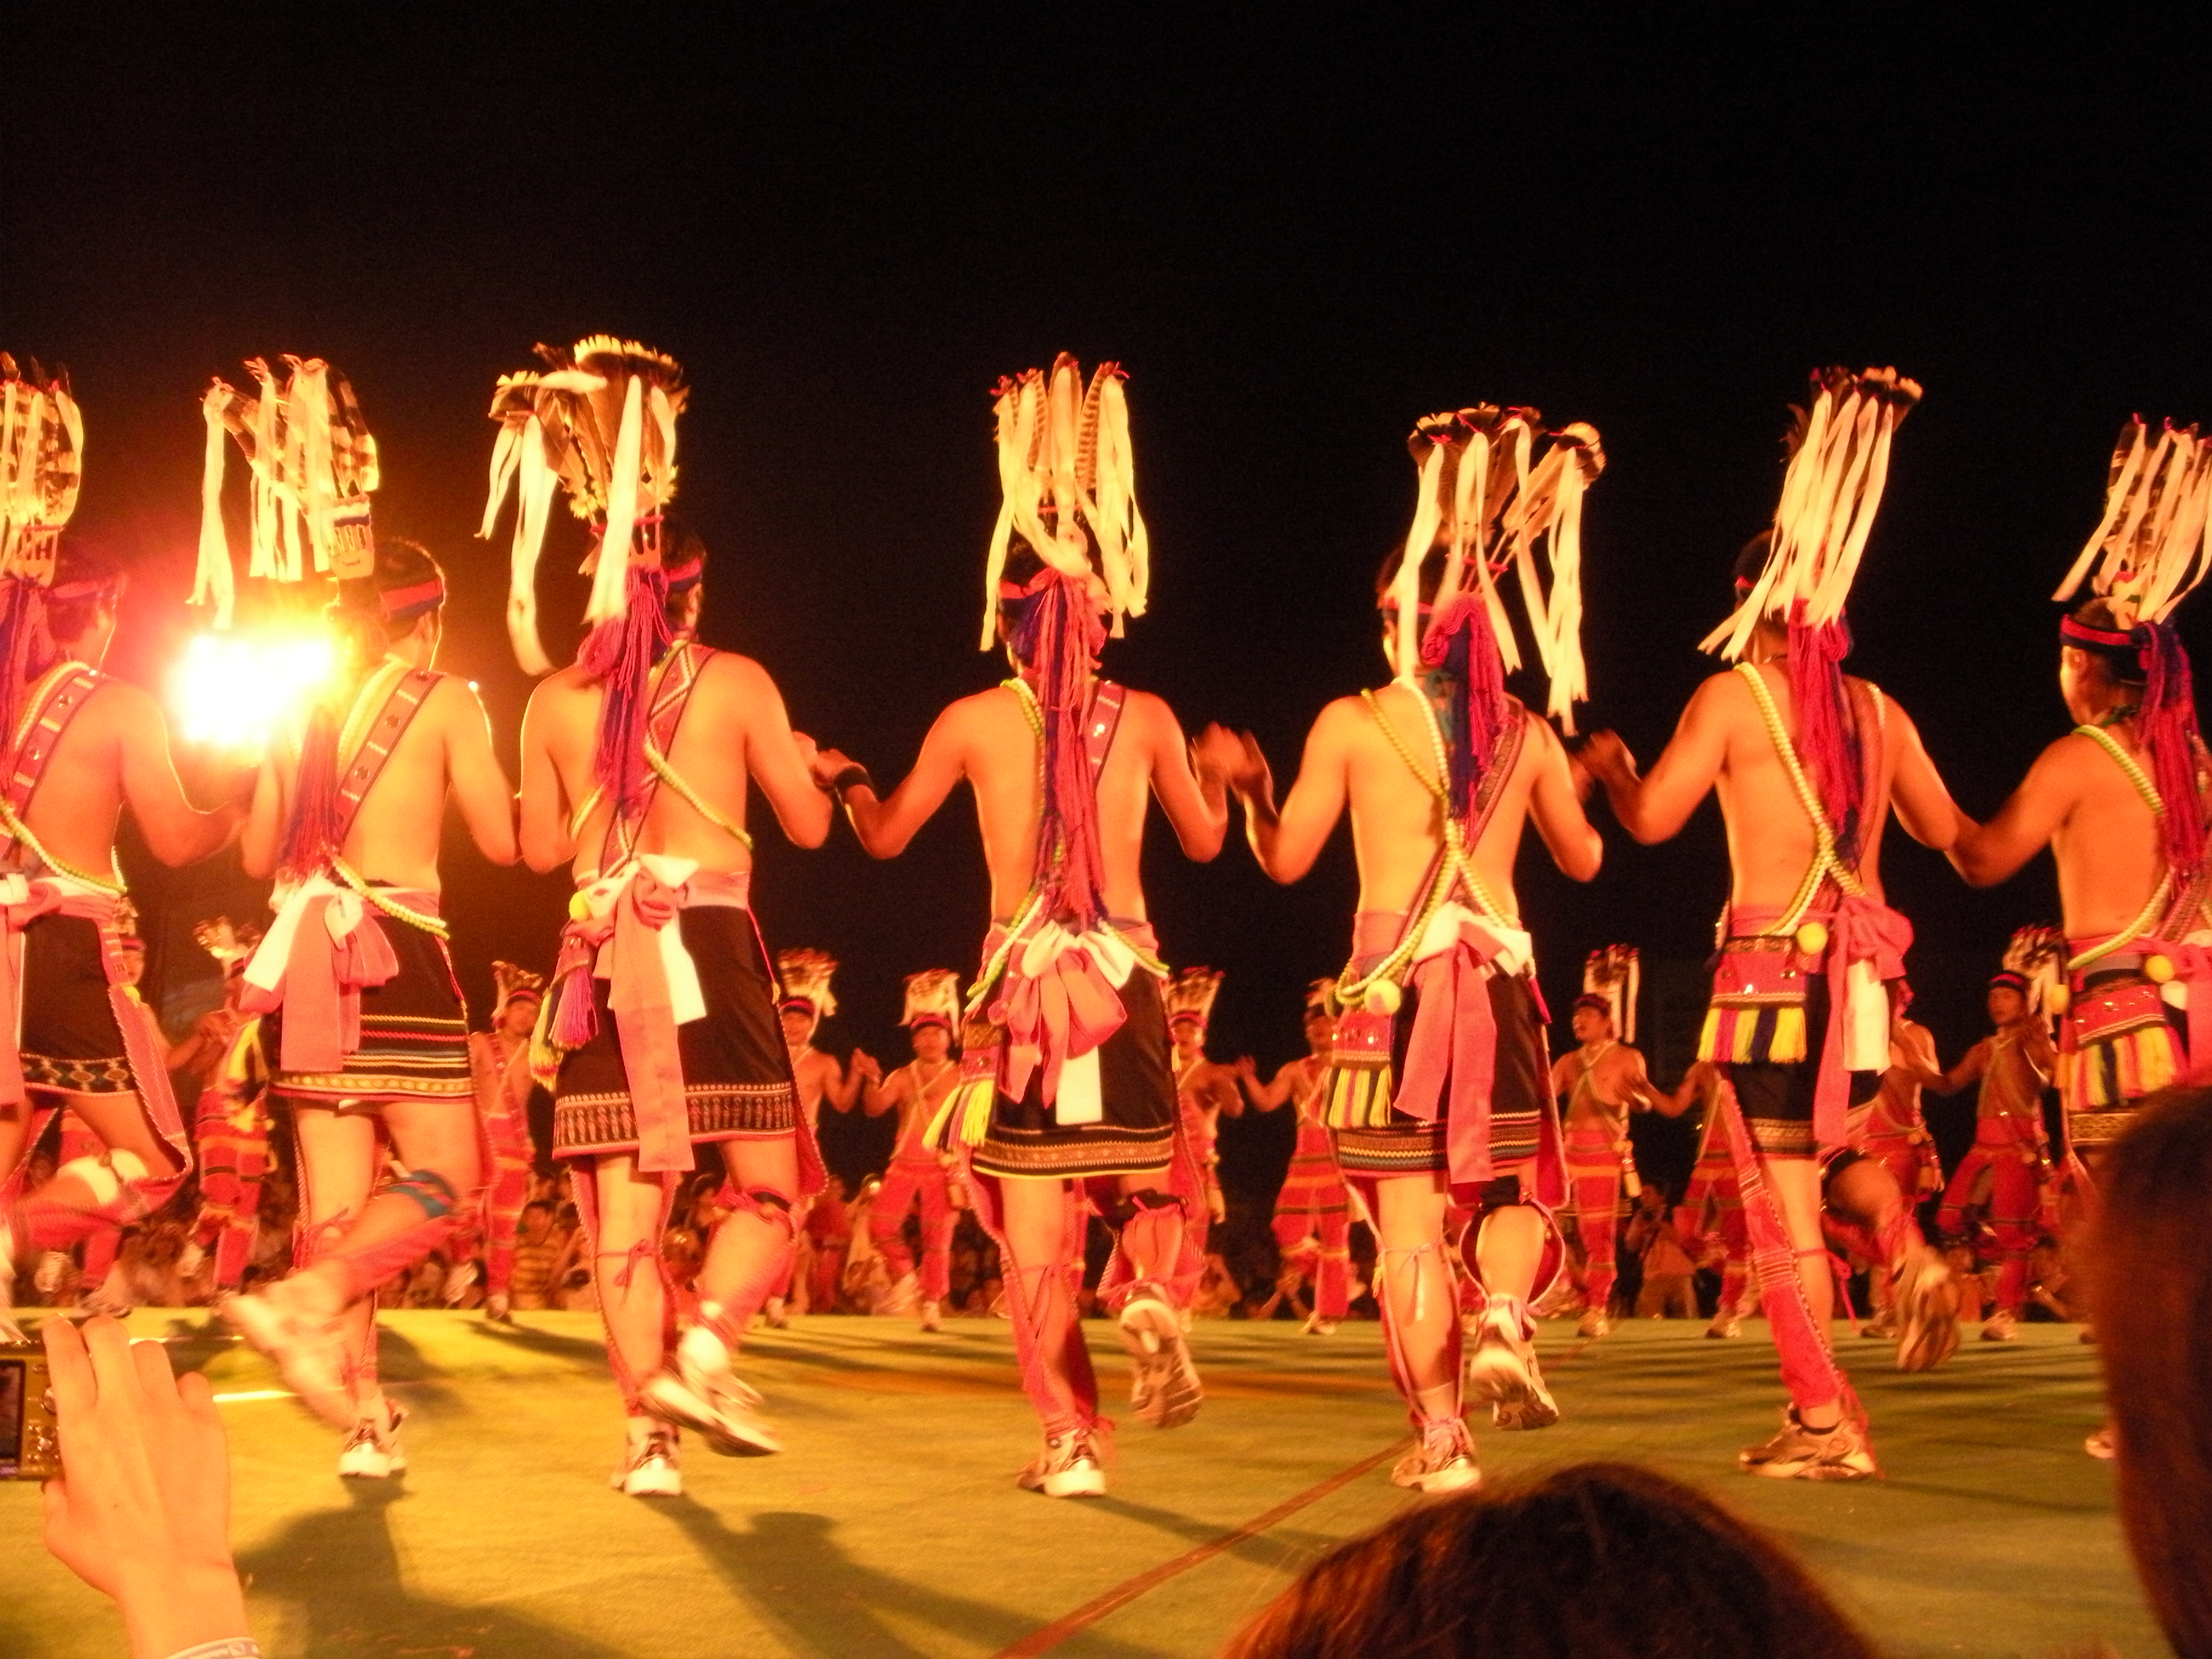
[
  {"x": 1831, "y": 490},
  {"x": 1068, "y": 487},
  {"x": 599, "y": 423},
  {"x": 2148, "y": 554},
  {"x": 1488, "y": 503}
]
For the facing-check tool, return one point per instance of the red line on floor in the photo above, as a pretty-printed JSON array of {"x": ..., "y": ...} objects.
[{"x": 1045, "y": 1640}]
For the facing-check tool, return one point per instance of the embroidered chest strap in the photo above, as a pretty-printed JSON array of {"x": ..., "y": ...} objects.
[{"x": 382, "y": 712}]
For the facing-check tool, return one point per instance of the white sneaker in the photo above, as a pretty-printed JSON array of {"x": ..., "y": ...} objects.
[
  {"x": 498, "y": 1309},
  {"x": 1926, "y": 1308},
  {"x": 775, "y": 1313},
  {"x": 1502, "y": 1370},
  {"x": 1068, "y": 1468},
  {"x": 309, "y": 1351},
  {"x": 1593, "y": 1323},
  {"x": 701, "y": 1392},
  {"x": 373, "y": 1451},
  {"x": 933, "y": 1316},
  {"x": 1845, "y": 1453},
  {"x": 2000, "y": 1327},
  {"x": 1164, "y": 1386},
  {"x": 1316, "y": 1326},
  {"x": 648, "y": 1468},
  {"x": 1726, "y": 1324},
  {"x": 1444, "y": 1461}
]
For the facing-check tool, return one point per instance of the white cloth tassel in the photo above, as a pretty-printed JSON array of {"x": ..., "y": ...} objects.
[
  {"x": 1406, "y": 584},
  {"x": 506, "y": 455},
  {"x": 2116, "y": 497},
  {"x": 533, "y": 506},
  {"x": 212, "y": 580},
  {"x": 609, "y": 584}
]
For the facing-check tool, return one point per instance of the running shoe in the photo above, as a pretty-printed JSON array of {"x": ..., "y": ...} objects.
[
  {"x": 1726, "y": 1324},
  {"x": 2000, "y": 1326},
  {"x": 373, "y": 1451},
  {"x": 2101, "y": 1445},
  {"x": 1845, "y": 1453},
  {"x": 1444, "y": 1461},
  {"x": 1593, "y": 1323},
  {"x": 498, "y": 1310},
  {"x": 649, "y": 1466},
  {"x": 306, "y": 1345},
  {"x": 1316, "y": 1326},
  {"x": 1164, "y": 1386},
  {"x": 700, "y": 1391},
  {"x": 1502, "y": 1368},
  {"x": 775, "y": 1313},
  {"x": 1926, "y": 1305},
  {"x": 933, "y": 1316},
  {"x": 1068, "y": 1467}
]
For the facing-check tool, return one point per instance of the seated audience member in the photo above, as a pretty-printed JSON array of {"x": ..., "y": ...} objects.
[
  {"x": 1590, "y": 1561},
  {"x": 142, "y": 1512},
  {"x": 2150, "y": 1274}
]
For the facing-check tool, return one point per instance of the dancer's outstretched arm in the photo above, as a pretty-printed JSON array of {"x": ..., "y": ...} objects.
[
  {"x": 885, "y": 825},
  {"x": 1287, "y": 840},
  {"x": 1653, "y": 807}
]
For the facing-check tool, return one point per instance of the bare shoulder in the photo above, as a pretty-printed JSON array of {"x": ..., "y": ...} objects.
[
  {"x": 1543, "y": 743},
  {"x": 731, "y": 674},
  {"x": 562, "y": 684},
  {"x": 452, "y": 697},
  {"x": 980, "y": 709},
  {"x": 120, "y": 705}
]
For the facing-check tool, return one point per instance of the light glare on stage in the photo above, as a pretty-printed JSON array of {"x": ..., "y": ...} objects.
[{"x": 231, "y": 690}]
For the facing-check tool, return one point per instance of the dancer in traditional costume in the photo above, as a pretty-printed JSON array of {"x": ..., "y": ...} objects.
[
  {"x": 1711, "y": 1214},
  {"x": 2120, "y": 801},
  {"x": 1598, "y": 1086},
  {"x": 1312, "y": 1220},
  {"x": 1439, "y": 1089},
  {"x": 1205, "y": 1089},
  {"x": 1890, "y": 1130},
  {"x": 231, "y": 1124},
  {"x": 80, "y": 748},
  {"x": 918, "y": 1173},
  {"x": 804, "y": 1002},
  {"x": 659, "y": 1035},
  {"x": 1808, "y": 763},
  {"x": 501, "y": 1058},
  {"x": 1065, "y": 1081},
  {"x": 2007, "y": 1173}
]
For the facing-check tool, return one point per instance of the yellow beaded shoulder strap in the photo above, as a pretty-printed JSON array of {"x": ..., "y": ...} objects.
[
  {"x": 1827, "y": 863},
  {"x": 1454, "y": 871},
  {"x": 2147, "y": 918}
]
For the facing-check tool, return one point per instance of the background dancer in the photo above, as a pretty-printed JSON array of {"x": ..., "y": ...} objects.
[
  {"x": 1312, "y": 1220},
  {"x": 1439, "y": 1088},
  {"x": 231, "y": 1123},
  {"x": 2006, "y": 1174},
  {"x": 805, "y": 1001},
  {"x": 80, "y": 748},
  {"x": 1064, "y": 1083},
  {"x": 1807, "y": 763},
  {"x": 1205, "y": 1089},
  {"x": 1711, "y": 1214},
  {"x": 1598, "y": 1086},
  {"x": 366, "y": 1036},
  {"x": 920, "y": 1173},
  {"x": 501, "y": 1058},
  {"x": 635, "y": 765}
]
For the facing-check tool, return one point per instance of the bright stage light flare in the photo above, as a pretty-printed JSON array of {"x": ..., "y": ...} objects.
[{"x": 231, "y": 690}]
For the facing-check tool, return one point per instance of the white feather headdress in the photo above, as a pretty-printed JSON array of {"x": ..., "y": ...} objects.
[
  {"x": 599, "y": 423},
  {"x": 805, "y": 976},
  {"x": 1615, "y": 975},
  {"x": 1064, "y": 465},
  {"x": 932, "y": 994},
  {"x": 1831, "y": 490},
  {"x": 1190, "y": 994},
  {"x": 41, "y": 468},
  {"x": 314, "y": 467},
  {"x": 2152, "y": 546},
  {"x": 1487, "y": 500}
]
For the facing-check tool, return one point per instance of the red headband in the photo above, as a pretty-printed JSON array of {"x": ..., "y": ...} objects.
[
  {"x": 2085, "y": 634},
  {"x": 681, "y": 576},
  {"x": 398, "y": 603},
  {"x": 91, "y": 586}
]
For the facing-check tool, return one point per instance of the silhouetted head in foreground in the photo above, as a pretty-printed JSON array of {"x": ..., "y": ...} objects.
[
  {"x": 1590, "y": 1561},
  {"x": 2150, "y": 1273}
]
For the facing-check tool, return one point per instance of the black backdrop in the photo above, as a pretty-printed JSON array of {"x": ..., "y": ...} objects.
[{"x": 1298, "y": 237}]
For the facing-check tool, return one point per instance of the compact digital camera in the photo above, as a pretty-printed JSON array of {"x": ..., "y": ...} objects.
[{"x": 29, "y": 1448}]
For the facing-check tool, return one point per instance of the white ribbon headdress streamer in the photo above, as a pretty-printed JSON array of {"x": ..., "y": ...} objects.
[
  {"x": 41, "y": 468},
  {"x": 1486, "y": 501},
  {"x": 1830, "y": 493},
  {"x": 599, "y": 423},
  {"x": 313, "y": 465},
  {"x": 932, "y": 994},
  {"x": 2152, "y": 547},
  {"x": 1616, "y": 974},
  {"x": 1065, "y": 453}
]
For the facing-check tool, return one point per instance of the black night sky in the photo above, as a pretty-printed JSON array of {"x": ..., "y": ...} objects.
[{"x": 1298, "y": 238}]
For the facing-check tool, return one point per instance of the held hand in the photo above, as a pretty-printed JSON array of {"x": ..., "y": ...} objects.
[
  {"x": 866, "y": 1065},
  {"x": 1246, "y": 1068},
  {"x": 1607, "y": 758},
  {"x": 1215, "y": 753},
  {"x": 824, "y": 764},
  {"x": 141, "y": 1511}
]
